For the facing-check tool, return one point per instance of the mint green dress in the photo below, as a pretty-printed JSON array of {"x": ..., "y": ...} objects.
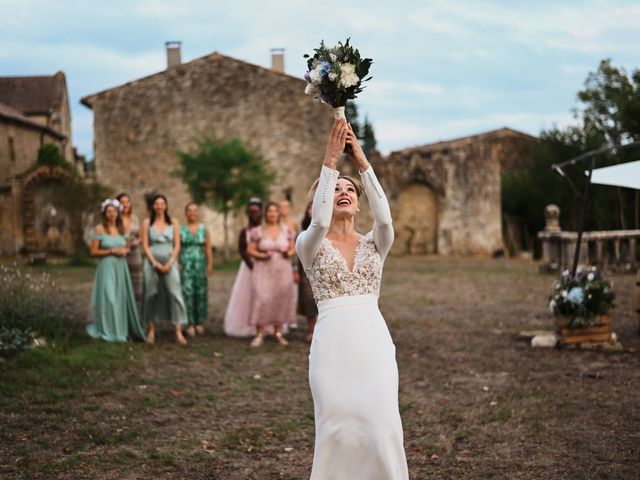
[
  {"x": 162, "y": 292},
  {"x": 193, "y": 274},
  {"x": 113, "y": 312}
]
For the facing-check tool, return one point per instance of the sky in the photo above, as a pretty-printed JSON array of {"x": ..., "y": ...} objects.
[{"x": 442, "y": 69}]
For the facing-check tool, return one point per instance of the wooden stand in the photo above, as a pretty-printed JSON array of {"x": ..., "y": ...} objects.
[
  {"x": 598, "y": 332},
  {"x": 638, "y": 298}
]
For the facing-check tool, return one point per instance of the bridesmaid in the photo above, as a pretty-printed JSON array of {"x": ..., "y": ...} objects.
[
  {"x": 113, "y": 307},
  {"x": 238, "y": 314},
  {"x": 273, "y": 298},
  {"x": 285, "y": 211},
  {"x": 162, "y": 298},
  {"x": 131, "y": 224},
  {"x": 196, "y": 262},
  {"x": 306, "y": 302}
]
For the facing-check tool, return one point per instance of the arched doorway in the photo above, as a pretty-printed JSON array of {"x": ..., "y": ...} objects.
[
  {"x": 45, "y": 228},
  {"x": 416, "y": 220}
]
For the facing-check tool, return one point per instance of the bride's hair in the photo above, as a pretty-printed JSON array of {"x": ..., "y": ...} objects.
[{"x": 356, "y": 184}]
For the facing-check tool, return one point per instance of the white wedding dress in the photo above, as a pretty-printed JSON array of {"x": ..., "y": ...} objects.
[{"x": 352, "y": 365}]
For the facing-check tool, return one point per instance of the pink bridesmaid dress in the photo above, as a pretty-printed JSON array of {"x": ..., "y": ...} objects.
[
  {"x": 238, "y": 314},
  {"x": 273, "y": 300}
]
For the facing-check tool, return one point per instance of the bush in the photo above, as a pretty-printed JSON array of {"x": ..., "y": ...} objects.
[{"x": 30, "y": 306}]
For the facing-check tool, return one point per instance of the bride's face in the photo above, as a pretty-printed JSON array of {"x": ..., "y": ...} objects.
[{"x": 345, "y": 200}]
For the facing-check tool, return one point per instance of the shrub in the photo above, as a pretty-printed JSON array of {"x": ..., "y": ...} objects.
[{"x": 31, "y": 306}]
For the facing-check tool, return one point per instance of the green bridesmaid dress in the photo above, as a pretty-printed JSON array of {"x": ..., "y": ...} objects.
[
  {"x": 113, "y": 313},
  {"x": 162, "y": 292},
  {"x": 194, "y": 273}
]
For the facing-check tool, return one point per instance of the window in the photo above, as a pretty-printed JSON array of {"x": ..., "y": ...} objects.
[{"x": 12, "y": 150}]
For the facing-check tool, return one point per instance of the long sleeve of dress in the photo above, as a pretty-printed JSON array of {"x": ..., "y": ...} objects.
[
  {"x": 382, "y": 223},
  {"x": 310, "y": 240}
]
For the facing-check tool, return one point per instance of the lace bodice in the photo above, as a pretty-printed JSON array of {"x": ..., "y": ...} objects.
[
  {"x": 330, "y": 277},
  {"x": 325, "y": 266}
]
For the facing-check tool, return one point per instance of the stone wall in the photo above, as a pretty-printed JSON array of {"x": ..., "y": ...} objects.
[
  {"x": 460, "y": 181},
  {"x": 139, "y": 127},
  {"x": 19, "y": 145}
]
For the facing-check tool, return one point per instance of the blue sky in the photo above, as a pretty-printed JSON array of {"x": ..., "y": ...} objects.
[{"x": 442, "y": 69}]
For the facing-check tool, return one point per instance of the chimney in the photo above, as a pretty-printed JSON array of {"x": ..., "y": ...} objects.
[
  {"x": 277, "y": 60},
  {"x": 173, "y": 53}
]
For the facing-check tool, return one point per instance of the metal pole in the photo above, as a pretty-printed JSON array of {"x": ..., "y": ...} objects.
[{"x": 583, "y": 215}]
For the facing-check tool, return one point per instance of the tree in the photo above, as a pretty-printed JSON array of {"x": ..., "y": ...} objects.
[
  {"x": 364, "y": 132},
  {"x": 75, "y": 196},
  {"x": 224, "y": 175},
  {"x": 612, "y": 106},
  {"x": 610, "y": 114},
  {"x": 368, "y": 136}
]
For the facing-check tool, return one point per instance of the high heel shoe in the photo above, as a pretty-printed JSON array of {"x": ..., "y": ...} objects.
[
  {"x": 258, "y": 340},
  {"x": 281, "y": 340}
]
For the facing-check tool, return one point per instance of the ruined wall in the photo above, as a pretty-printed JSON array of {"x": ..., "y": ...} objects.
[
  {"x": 462, "y": 179},
  {"x": 140, "y": 126},
  {"x": 19, "y": 145}
]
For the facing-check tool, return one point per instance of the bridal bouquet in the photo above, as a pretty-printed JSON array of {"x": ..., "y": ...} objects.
[{"x": 336, "y": 75}]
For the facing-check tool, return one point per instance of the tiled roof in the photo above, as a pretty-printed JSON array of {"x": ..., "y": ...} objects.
[{"x": 32, "y": 95}]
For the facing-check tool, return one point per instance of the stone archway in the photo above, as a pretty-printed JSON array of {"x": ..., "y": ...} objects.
[
  {"x": 416, "y": 220},
  {"x": 35, "y": 239}
]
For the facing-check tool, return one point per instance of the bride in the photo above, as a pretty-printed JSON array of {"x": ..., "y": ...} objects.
[{"x": 352, "y": 366}]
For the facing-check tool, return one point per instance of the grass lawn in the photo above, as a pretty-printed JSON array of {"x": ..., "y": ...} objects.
[{"x": 476, "y": 402}]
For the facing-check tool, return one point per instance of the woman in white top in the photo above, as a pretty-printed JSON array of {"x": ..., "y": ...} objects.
[{"x": 352, "y": 366}]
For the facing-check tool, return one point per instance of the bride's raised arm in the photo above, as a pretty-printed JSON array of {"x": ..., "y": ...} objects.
[
  {"x": 309, "y": 241},
  {"x": 382, "y": 223}
]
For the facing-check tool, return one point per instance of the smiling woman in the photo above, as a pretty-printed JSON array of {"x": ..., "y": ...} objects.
[{"x": 352, "y": 366}]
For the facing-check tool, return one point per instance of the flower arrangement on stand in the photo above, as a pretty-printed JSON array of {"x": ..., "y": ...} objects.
[
  {"x": 582, "y": 304},
  {"x": 336, "y": 74}
]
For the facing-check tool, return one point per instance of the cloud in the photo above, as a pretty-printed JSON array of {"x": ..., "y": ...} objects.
[
  {"x": 403, "y": 133},
  {"x": 442, "y": 69}
]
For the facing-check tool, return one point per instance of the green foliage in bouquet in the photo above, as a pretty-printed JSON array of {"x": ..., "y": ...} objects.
[
  {"x": 336, "y": 74},
  {"x": 583, "y": 298}
]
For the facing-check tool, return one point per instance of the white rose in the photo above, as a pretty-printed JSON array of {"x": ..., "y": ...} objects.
[
  {"x": 348, "y": 77},
  {"x": 310, "y": 89},
  {"x": 347, "y": 68},
  {"x": 315, "y": 75}
]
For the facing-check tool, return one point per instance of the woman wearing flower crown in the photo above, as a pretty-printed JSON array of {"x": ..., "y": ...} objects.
[
  {"x": 162, "y": 297},
  {"x": 352, "y": 365},
  {"x": 113, "y": 312}
]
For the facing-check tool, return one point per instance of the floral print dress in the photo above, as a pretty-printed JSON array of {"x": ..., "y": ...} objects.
[{"x": 193, "y": 273}]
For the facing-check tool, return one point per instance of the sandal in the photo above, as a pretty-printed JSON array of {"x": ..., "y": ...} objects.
[
  {"x": 281, "y": 340},
  {"x": 258, "y": 340}
]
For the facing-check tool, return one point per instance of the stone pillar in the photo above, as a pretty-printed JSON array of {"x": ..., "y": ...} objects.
[{"x": 551, "y": 239}]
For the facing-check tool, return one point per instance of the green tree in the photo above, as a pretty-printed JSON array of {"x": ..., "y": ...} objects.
[
  {"x": 368, "y": 136},
  {"x": 49, "y": 156},
  {"x": 74, "y": 195},
  {"x": 364, "y": 131},
  {"x": 609, "y": 114},
  {"x": 351, "y": 112},
  {"x": 224, "y": 175},
  {"x": 611, "y": 99}
]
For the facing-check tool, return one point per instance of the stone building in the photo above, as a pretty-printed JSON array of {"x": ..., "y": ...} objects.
[
  {"x": 33, "y": 111},
  {"x": 139, "y": 127},
  {"x": 445, "y": 196},
  {"x": 44, "y": 100}
]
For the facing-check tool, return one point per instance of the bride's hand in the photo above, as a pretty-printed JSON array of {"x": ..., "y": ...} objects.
[
  {"x": 356, "y": 154},
  {"x": 336, "y": 143}
]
